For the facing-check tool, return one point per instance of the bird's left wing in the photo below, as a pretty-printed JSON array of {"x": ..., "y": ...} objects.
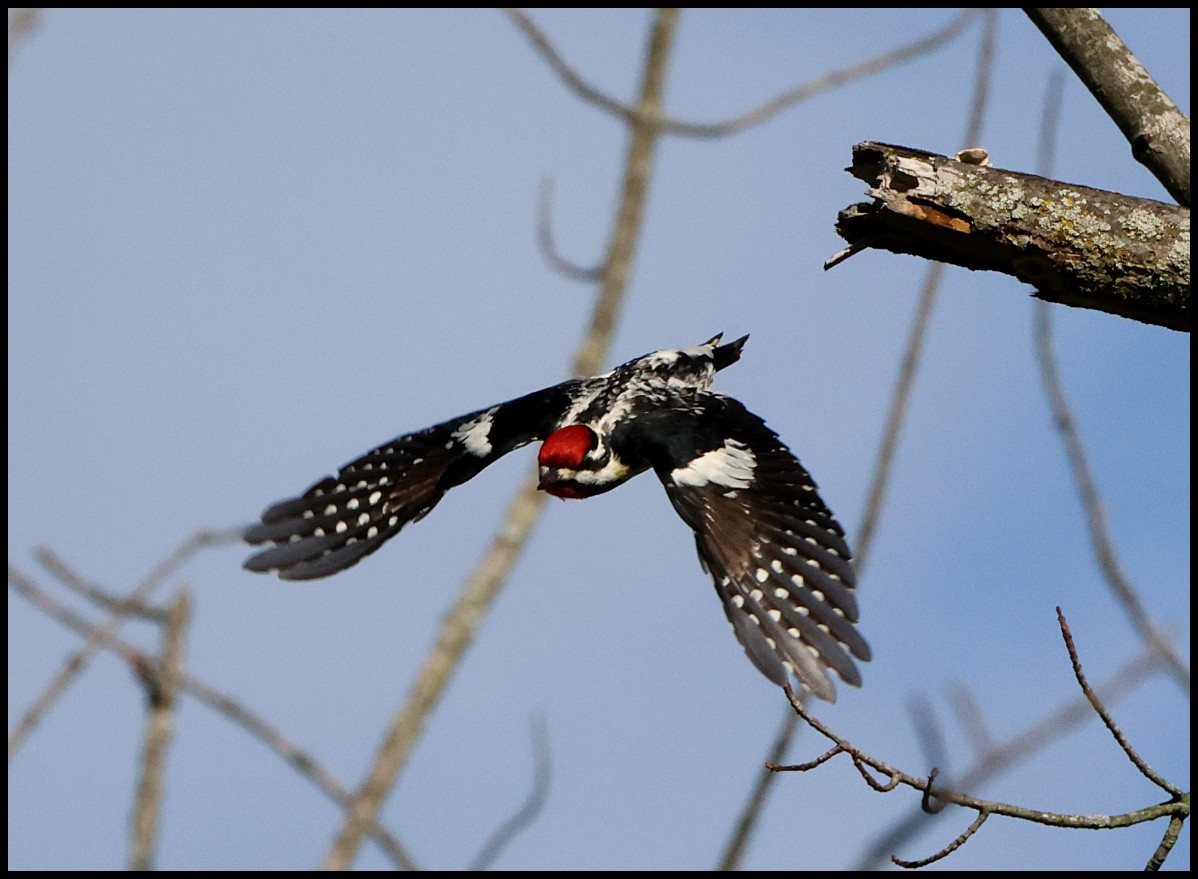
[
  {"x": 778, "y": 556},
  {"x": 342, "y": 519}
]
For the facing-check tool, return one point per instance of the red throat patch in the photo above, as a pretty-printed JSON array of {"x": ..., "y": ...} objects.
[{"x": 565, "y": 448}]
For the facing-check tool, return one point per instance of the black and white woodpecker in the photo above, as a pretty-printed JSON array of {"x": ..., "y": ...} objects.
[{"x": 776, "y": 553}]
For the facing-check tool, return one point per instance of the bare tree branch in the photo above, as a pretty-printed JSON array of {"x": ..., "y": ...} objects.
[
  {"x": 549, "y": 251},
  {"x": 483, "y": 584},
  {"x": 97, "y": 595},
  {"x": 162, "y": 684},
  {"x": 1158, "y": 132},
  {"x": 895, "y": 417},
  {"x": 759, "y": 114},
  {"x": 22, "y": 22},
  {"x": 302, "y": 761},
  {"x": 826, "y": 82},
  {"x": 1100, "y": 709},
  {"x": 527, "y": 813},
  {"x": 750, "y": 813},
  {"x": 573, "y": 80},
  {"x": 78, "y": 662},
  {"x": 1177, "y": 807},
  {"x": 1075, "y": 245},
  {"x": 1100, "y": 538},
  {"x": 999, "y": 756}
]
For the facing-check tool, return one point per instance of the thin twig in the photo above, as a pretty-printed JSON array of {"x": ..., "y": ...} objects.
[
  {"x": 1000, "y": 756},
  {"x": 826, "y": 82},
  {"x": 542, "y": 771},
  {"x": 900, "y": 397},
  {"x": 948, "y": 849},
  {"x": 1158, "y": 132},
  {"x": 1079, "y": 463},
  {"x": 549, "y": 251},
  {"x": 1100, "y": 709},
  {"x": 1100, "y": 538},
  {"x": 22, "y": 22},
  {"x": 102, "y": 598},
  {"x": 751, "y": 812},
  {"x": 972, "y": 720},
  {"x": 78, "y": 662},
  {"x": 928, "y": 731},
  {"x": 481, "y": 587},
  {"x": 759, "y": 114},
  {"x": 273, "y": 738},
  {"x": 1167, "y": 842},
  {"x": 160, "y": 727},
  {"x": 573, "y": 80},
  {"x": 862, "y": 760}
]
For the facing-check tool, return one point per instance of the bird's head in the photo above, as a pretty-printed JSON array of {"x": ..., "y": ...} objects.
[
  {"x": 695, "y": 365},
  {"x": 575, "y": 462}
]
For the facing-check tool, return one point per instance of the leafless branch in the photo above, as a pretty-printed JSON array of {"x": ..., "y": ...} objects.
[
  {"x": 751, "y": 812},
  {"x": 22, "y": 22},
  {"x": 759, "y": 114},
  {"x": 896, "y": 415},
  {"x": 1075, "y": 245},
  {"x": 909, "y": 368},
  {"x": 1100, "y": 538},
  {"x": 1158, "y": 132},
  {"x": 1178, "y": 806},
  {"x": 948, "y": 849},
  {"x": 826, "y": 82},
  {"x": 973, "y": 722},
  {"x": 102, "y": 598},
  {"x": 483, "y": 584},
  {"x": 995, "y": 758},
  {"x": 530, "y": 808},
  {"x": 1100, "y": 709},
  {"x": 928, "y": 731},
  {"x": 549, "y": 250},
  {"x": 565, "y": 72},
  {"x": 1083, "y": 477},
  {"x": 302, "y": 761},
  {"x": 163, "y": 685},
  {"x": 78, "y": 662}
]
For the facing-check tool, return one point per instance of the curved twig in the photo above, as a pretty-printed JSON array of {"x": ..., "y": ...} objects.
[
  {"x": 1100, "y": 709},
  {"x": 752, "y": 118},
  {"x": 549, "y": 250},
  {"x": 994, "y": 758},
  {"x": 948, "y": 849},
  {"x": 542, "y": 771},
  {"x": 824, "y": 83}
]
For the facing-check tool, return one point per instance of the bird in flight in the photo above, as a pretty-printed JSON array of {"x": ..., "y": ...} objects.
[{"x": 777, "y": 555}]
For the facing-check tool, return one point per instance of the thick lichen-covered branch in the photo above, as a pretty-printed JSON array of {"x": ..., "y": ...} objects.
[
  {"x": 1077, "y": 246},
  {"x": 1158, "y": 132}
]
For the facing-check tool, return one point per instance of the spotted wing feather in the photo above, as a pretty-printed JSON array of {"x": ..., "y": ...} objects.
[
  {"x": 342, "y": 519},
  {"x": 776, "y": 553}
]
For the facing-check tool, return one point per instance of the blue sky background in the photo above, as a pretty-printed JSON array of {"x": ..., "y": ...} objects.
[{"x": 246, "y": 246}]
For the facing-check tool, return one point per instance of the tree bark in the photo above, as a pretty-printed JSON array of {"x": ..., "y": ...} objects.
[{"x": 1074, "y": 245}]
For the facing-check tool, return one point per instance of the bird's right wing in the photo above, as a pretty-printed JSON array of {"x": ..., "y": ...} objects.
[
  {"x": 777, "y": 555},
  {"x": 343, "y": 518}
]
